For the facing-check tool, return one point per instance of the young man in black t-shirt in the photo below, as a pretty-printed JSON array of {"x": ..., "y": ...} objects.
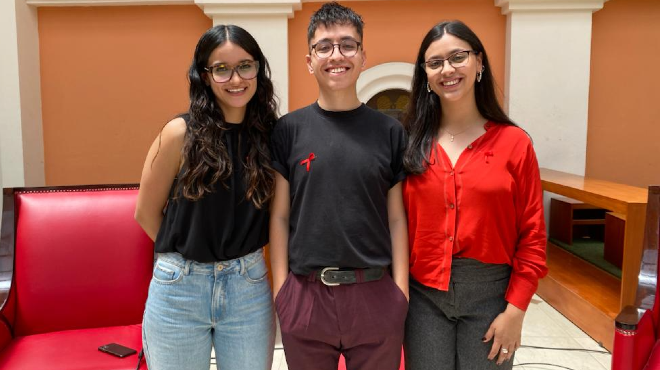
[{"x": 338, "y": 225}]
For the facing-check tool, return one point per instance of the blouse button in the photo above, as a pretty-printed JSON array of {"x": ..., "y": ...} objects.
[
  {"x": 451, "y": 173},
  {"x": 451, "y": 238},
  {"x": 451, "y": 206}
]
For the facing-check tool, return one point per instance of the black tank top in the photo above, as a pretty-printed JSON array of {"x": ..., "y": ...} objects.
[{"x": 220, "y": 226}]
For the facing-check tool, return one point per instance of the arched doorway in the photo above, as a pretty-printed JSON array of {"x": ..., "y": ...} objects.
[
  {"x": 392, "y": 102},
  {"x": 385, "y": 87}
]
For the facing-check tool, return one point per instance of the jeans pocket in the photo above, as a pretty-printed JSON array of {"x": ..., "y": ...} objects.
[
  {"x": 167, "y": 273},
  {"x": 256, "y": 272}
]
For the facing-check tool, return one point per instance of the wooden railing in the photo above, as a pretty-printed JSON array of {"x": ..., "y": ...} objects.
[{"x": 627, "y": 200}]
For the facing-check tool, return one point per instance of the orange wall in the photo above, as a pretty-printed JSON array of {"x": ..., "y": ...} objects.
[
  {"x": 623, "y": 138},
  {"x": 111, "y": 77},
  {"x": 393, "y": 32}
]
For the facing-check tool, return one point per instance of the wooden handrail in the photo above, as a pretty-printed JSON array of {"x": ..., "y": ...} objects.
[{"x": 600, "y": 193}]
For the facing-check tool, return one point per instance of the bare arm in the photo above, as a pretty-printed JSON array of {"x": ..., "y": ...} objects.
[
  {"x": 160, "y": 168},
  {"x": 399, "y": 236},
  {"x": 279, "y": 233}
]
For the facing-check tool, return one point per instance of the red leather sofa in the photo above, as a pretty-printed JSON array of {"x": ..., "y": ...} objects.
[
  {"x": 81, "y": 271},
  {"x": 637, "y": 332}
]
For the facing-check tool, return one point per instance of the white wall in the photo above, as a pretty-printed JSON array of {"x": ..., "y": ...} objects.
[
  {"x": 30, "y": 94},
  {"x": 21, "y": 133},
  {"x": 11, "y": 140}
]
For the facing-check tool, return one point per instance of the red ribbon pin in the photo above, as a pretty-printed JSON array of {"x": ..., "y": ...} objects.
[
  {"x": 488, "y": 154},
  {"x": 308, "y": 161}
]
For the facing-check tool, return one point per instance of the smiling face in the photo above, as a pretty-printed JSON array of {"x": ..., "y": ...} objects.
[
  {"x": 232, "y": 96},
  {"x": 337, "y": 72},
  {"x": 452, "y": 83}
]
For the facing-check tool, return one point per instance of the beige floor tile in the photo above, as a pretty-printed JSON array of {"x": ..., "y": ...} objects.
[
  {"x": 604, "y": 359},
  {"x": 283, "y": 364},
  {"x": 570, "y": 359},
  {"x": 561, "y": 320},
  {"x": 278, "y": 354},
  {"x": 539, "y": 324}
]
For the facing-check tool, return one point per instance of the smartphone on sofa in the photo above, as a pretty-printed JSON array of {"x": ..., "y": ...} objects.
[{"x": 117, "y": 350}]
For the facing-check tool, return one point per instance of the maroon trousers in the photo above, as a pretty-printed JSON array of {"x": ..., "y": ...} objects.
[{"x": 364, "y": 322}]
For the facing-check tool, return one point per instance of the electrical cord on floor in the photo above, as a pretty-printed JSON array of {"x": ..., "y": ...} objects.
[
  {"x": 565, "y": 349},
  {"x": 544, "y": 364},
  {"x": 556, "y": 349}
]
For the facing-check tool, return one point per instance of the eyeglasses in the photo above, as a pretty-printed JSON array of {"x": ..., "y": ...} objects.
[
  {"x": 246, "y": 70},
  {"x": 325, "y": 49},
  {"x": 457, "y": 60}
]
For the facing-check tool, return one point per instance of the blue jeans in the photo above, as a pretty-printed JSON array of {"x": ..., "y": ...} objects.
[{"x": 192, "y": 306}]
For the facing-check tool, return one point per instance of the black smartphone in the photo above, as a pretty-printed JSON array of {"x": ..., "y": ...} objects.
[{"x": 117, "y": 350}]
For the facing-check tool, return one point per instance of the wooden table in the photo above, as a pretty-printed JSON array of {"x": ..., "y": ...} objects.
[{"x": 629, "y": 201}]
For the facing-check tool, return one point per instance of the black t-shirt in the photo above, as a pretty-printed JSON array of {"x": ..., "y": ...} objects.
[
  {"x": 222, "y": 225},
  {"x": 340, "y": 167}
]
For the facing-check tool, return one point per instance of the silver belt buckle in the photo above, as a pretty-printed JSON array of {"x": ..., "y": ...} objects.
[{"x": 323, "y": 275}]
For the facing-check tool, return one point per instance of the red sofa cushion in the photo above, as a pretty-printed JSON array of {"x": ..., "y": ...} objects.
[
  {"x": 73, "y": 350},
  {"x": 82, "y": 261}
]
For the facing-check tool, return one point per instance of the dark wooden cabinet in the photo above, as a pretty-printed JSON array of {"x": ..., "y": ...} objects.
[
  {"x": 571, "y": 219},
  {"x": 615, "y": 225}
]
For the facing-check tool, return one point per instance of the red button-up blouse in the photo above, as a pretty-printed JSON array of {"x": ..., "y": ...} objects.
[{"x": 489, "y": 207}]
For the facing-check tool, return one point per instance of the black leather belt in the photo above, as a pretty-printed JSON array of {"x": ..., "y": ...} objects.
[{"x": 332, "y": 276}]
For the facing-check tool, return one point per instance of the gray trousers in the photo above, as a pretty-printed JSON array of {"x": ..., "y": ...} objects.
[{"x": 444, "y": 330}]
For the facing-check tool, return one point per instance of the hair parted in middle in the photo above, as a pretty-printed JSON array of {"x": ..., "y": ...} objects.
[
  {"x": 422, "y": 118},
  {"x": 206, "y": 160},
  {"x": 331, "y": 14}
]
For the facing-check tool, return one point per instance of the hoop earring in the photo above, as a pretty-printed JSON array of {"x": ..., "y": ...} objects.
[
  {"x": 480, "y": 73},
  {"x": 428, "y": 87}
]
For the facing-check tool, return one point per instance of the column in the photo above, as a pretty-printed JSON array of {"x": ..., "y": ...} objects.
[
  {"x": 21, "y": 133},
  {"x": 548, "y": 50}
]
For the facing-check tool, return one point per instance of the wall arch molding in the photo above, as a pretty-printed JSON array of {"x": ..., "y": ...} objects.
[{"x": 386, "y": 76}]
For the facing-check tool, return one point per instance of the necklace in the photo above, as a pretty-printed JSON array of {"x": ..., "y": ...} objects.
[{"x": 451, "y": 136}]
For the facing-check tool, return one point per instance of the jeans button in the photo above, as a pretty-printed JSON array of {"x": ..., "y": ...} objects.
[{"x": 220, "y": 267}]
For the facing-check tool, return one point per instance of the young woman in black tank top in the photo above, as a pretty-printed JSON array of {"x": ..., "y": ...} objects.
[{"x": 204, "y": 196}]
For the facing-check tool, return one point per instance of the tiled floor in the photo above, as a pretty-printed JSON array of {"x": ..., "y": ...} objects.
[{"x": 544, "y": 327}]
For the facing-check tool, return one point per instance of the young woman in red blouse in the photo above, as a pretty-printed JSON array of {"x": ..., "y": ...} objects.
[{"x": 475, "y": 212}]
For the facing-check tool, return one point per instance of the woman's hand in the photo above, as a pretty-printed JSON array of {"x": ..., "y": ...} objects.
[{"x": 505, "y": 331}]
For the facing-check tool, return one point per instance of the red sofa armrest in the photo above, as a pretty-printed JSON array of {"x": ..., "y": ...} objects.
[{"x": 634, "y": 338}]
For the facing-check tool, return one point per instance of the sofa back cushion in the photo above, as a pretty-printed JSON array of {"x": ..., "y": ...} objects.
[{"x": 81, "y": 260}]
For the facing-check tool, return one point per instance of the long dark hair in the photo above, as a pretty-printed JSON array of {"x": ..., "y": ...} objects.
[
  {"x": 206, "y": 160},
  {"x": 422, "y": 119}
]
